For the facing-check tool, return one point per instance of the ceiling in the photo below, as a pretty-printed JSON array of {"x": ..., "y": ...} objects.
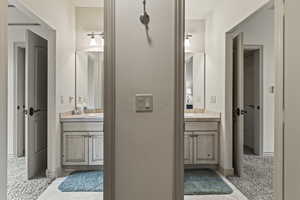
[
  {"x": 199, "y": 9},
  {"x": 195, "y": 9},
  {"x": 16, "y": 16},
  {"x": 88, "y": 3}
]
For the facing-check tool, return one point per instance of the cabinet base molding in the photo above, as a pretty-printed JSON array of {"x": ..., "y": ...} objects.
[
  {"x": 67, "y": 170},
  {"x": 52, "y": 174},
  {"x": 268, "y": 154},
  {"x": 208, "y": 166},
  {"x": 226, "y": 172}
]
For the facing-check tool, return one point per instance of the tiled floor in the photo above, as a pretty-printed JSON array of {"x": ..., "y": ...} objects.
[
  {"x": 256, "y": 181},
  {"x": 52, "y": 193},
  {"x": 19, "y": 188}
]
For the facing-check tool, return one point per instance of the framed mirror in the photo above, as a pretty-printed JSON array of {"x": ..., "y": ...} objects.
[
  {"x": 89, "y": 79},
  {"x": 194, "y": 81}
]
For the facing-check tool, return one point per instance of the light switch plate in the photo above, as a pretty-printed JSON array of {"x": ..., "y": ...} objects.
[{"x": 144, "y": 103}]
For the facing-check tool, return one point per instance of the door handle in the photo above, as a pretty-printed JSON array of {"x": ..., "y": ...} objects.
[
  {"x": 239, "y": 112},
  {"x": 32, "y": 111},
  {"x": 251, "y": 106}
]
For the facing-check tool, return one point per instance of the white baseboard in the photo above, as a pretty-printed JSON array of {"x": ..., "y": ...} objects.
[
  {"x": 226, "y": 172},
  {"x": 11, "y": 156},
  {"x": 268, "y": 154},
  {"x": 52, "y": 174}
]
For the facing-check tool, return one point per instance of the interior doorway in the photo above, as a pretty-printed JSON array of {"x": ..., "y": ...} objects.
[
  {"x": 250, "y": 62},
  {"x": 253, "y": 99},
  {"x": 20, "y": 54},
  {"x": 28, "y": 57}
]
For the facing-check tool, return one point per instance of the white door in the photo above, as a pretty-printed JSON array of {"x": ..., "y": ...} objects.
[
  {"x": 188, "y": 148},
  {"x": 20, "y": 59},
  {"x": 238, "y": 103},
  {"x": 96, "y": 149},
  {"x": 36, "y": 101},
  {"x": 76, "y": 148}
]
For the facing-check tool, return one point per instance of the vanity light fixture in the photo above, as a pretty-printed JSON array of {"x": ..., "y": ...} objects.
[
  {"x": 93, "y": 41},
  {"x": 187, "y": 40}
]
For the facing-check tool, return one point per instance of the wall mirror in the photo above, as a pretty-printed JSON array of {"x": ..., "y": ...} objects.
[
  {"x": 89, "y": 79},
  {"x": 194, "y": 81}
]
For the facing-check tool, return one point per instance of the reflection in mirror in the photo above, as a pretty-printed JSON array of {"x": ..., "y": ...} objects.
[
  {"x": 89, "y": 79},
  {"x": 195, "y": 81}
]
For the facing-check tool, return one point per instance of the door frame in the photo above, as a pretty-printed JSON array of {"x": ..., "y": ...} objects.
[
  {"x": 260, "y": 48},
  {"x": 3, "y": 99},
  {"x": 109, "y": 99},
  {"x": 16, "y": 136},
  {"x": 178, "y": 187}
]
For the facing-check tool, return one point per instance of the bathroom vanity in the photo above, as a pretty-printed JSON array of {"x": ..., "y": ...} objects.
[
  {"x": 82, "y": 139},
  {"x": 201, "y": 139}
]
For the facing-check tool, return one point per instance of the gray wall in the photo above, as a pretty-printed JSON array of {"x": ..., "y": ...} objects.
[{"x": 144, "y": 141}]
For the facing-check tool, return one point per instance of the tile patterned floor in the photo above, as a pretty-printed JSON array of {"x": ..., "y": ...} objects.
[
  {"x": 52, "y": 193},
  {"x": 256, "y": 182},
  {"x": 19, "y": 188}
]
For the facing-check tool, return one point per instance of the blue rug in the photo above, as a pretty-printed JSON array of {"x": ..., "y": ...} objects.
[
  {"x": 204, "y": 182},
  {"x": 196, "y": 182},
  {"x": 91, "y": 181}
]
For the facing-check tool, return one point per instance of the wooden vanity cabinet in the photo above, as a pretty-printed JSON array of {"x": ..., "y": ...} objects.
[
  {"x": 201, "y": 143},
  {"x": 82, "y": 144}
]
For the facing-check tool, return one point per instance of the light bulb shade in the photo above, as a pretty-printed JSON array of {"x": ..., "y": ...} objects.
[
  {"x": 187, "y": 42},
  {"x": 93, "y": 41},
  {"x": 102, "y": 41}
]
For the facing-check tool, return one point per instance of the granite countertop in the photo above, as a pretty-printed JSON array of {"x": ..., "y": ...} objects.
[
  {"x": 86, "y": 117},
  {"x": 98, "y": 117},
  {"x": 202, "y": 117}
]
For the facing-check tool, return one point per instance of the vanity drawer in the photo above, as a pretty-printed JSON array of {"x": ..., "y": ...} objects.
[
  {"x": 83, "y": 126},
  {"x": 201, "y": 126}
]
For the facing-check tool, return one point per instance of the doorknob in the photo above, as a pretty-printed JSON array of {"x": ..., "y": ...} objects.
[
  {"x": 32, "y": 111},
  {"x": 239, "y": 112}
]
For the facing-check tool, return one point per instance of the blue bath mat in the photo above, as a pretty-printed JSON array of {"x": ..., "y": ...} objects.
[
  {"x": 204, "y": 182},
  {"x": 91, "y": 181}
]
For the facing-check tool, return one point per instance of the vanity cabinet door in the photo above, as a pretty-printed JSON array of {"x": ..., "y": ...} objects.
[
  {"x": 96, "y": 149},
  {"x": 75, "y": 148},
  {"x": 205, "y": 150},
  {"x": 188, "y": 148}
]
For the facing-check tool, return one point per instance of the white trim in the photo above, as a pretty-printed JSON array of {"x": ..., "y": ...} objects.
[
  {"x": 109, "y": 100},
  {"x": 15, "y": 99},
  {"x": 178, "y": 189},
  {"x": 279, "y": 101},
  {"x": 268, "y": 154},
  {"x": 3, "y": 100}
]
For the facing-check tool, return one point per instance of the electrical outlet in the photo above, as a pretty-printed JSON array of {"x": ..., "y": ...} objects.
[
  {"x": 213, "y": 99},
  {"x": 62, "y": 100}
]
